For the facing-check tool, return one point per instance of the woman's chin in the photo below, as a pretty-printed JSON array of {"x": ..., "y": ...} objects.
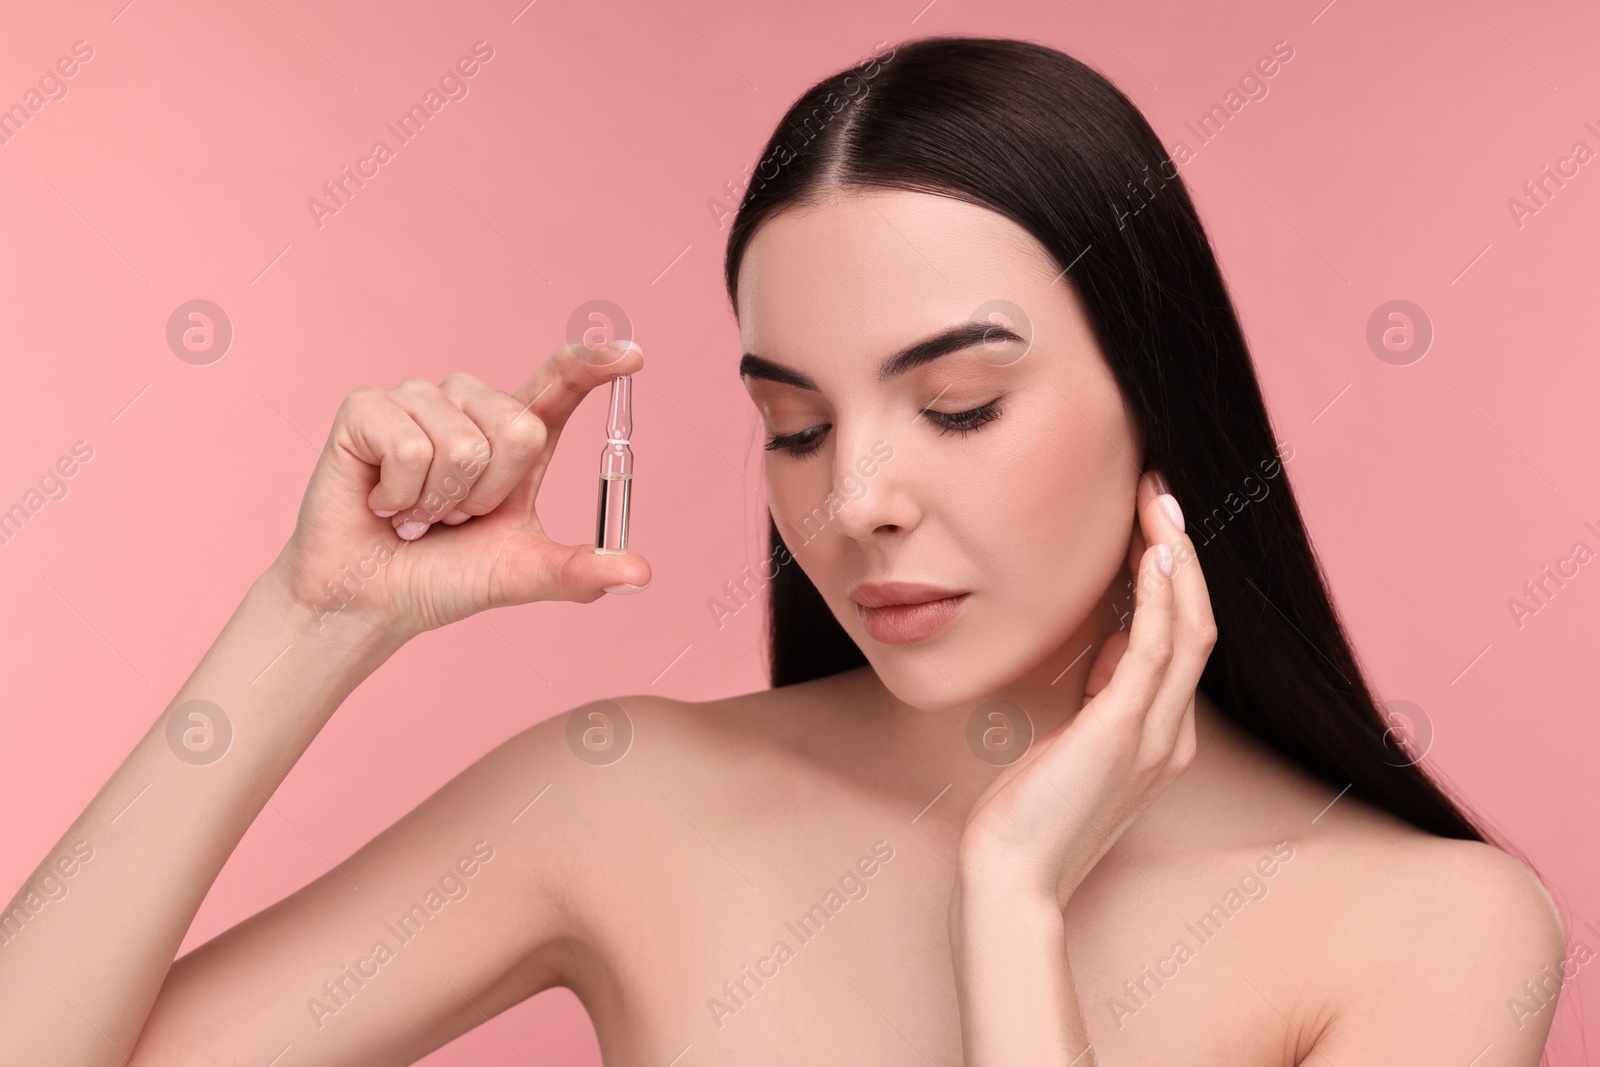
[
  {"x": 933, "y": 682},
  {"x": 965, "y": 669}
]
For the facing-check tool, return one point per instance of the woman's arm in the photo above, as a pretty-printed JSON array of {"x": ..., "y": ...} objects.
[
  {"x": 80, "y": 969},
  {"x": 1040, "y": 827},
  {"x": 420, "y": 512},
  {"x": 459, "y": 910},
  {"x": 1013, "y": 979},
  {"x": 1458, "y": 959}
]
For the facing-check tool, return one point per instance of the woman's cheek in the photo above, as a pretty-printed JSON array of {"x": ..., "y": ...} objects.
[
  {"x": 1068, "y": 527},
  {"x": 798, "y": 496}
]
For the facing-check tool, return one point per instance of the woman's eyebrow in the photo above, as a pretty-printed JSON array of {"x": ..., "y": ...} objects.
[{"x": 961, "y": 336}]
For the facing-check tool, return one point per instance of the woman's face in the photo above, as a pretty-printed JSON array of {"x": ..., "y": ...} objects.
[{"x": 1026, "y": 515}]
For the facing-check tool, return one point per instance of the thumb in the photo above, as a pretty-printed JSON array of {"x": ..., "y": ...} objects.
[
  {"x": 1105, "y": 664},
  {"x": 533, "y": 568}
]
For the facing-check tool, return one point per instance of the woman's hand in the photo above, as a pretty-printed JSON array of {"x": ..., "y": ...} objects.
[
  {"x": 1044, "y": 823},
  {"x": 421, "y": 509}
]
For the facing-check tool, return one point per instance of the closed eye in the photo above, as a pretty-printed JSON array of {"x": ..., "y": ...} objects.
[
  {"x": 963, "y": 422},
  {"x": 809, "y": 440}
]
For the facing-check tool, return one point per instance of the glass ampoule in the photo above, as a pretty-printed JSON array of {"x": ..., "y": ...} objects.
[{"x": 616, "y": 472}]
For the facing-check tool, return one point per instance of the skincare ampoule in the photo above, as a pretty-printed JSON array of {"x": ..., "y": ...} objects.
[{"x": 616, "y": 471}]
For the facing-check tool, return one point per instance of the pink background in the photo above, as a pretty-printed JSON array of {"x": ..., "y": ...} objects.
[{"x": 580, "y": 166}]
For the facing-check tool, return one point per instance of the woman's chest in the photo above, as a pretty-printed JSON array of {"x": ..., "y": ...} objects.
[
  {"x": 832, "y": 955},
  {"x": 798, "y": 946}
]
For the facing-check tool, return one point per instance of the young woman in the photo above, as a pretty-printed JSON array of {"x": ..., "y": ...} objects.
[{"x": 1067, "y": 758}]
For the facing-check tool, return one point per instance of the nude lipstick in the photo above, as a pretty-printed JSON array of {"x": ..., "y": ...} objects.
[{"x": 898, "y": 613}]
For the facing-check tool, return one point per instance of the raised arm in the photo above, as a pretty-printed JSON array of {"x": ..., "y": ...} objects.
[
  {"x": 1464, "y": 914},
  {"x": 420, "y": 512},
  {"x": 1040, "y": 827}
]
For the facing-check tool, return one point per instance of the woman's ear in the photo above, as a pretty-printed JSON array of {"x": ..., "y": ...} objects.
[{"x": 1136, "y": 544}]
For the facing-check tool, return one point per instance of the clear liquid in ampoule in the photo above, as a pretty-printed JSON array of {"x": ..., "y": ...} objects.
[{"x": 611, "y": 528}]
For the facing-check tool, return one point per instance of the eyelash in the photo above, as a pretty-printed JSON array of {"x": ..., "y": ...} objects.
[{"x": 962, "y": 422}]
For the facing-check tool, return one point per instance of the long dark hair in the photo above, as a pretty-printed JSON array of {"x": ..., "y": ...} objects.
[{"x": 1029, "y": 132}]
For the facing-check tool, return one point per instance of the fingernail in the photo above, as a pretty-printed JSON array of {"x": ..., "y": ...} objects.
[
  {"x": 386, "y": 514},
  {"x": 625, "y": 346},
  {"x": 1160, "y": 481},
  {"x": 411, "y": 529},
  {"x": 623, "y": 590},
  {"x": 1164, "y": 560},
  {"x": 457, "y": 517},
  {"x": 1174, "y": 512}
]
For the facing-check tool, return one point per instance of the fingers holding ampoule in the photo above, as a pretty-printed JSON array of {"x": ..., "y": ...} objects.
[
  {"x": 570, "y": 374},
  {"x": 469, "y": 448},
  {"x": 384, "y": 434},
  {"x": 516, "y": 439},
  {"x": 457, "y": 454}
]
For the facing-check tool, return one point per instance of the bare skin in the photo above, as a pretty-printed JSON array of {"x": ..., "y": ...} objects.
[{"x": 656, "y": 883}]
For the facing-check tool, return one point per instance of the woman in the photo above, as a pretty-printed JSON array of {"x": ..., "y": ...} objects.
[{"x": 1067, "y": 758}]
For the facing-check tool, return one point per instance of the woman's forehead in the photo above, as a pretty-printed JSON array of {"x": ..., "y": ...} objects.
[{"x": 874, "y": 267}]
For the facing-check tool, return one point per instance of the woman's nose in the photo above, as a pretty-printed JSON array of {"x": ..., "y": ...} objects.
[{"x": 869, "y": 488}]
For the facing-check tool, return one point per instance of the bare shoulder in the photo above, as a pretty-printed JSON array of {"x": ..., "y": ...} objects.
[
  {"x": 593, "y": 747},
  {"x": 1404, "y": 946},
  {"x": 622, "y": 730},
  {"x": 1377, "y": 875},
  {"x": 1388, "y": 944},
  {"x": 587, "y": 795},
  {"x": 593, "y": 760},
  {"x": 1449, "y": 897},
  {"x": 1428, "y": 949},
  {"x": 663, "y": 727}
]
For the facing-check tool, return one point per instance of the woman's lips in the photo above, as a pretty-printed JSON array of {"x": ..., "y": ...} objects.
[{"x": 900, "y": 624}]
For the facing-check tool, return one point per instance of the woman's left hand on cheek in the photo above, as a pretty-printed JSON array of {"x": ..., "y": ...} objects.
[{"x": 1044, "y": 823}]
